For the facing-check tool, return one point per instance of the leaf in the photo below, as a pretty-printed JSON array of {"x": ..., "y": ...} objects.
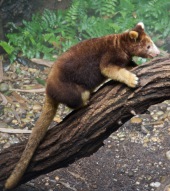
[
  {"x": 40, "y": 81},
  {"x": 7, "y": 47}
]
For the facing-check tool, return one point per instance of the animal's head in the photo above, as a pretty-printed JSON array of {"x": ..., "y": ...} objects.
[{"x": 141, "y": 43}]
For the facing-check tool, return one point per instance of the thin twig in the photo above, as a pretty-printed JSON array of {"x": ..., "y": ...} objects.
[
  {"x": 15, "y": 131},
  {"x": 40, "y": 90},
  {"x": 42, "y": 62}
]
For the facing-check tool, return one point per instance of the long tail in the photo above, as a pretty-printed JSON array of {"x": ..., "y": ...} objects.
[{"x": 38, "y": 133}]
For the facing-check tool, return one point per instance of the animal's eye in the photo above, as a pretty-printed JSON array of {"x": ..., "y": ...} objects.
[{"x": 148, "y": 47}]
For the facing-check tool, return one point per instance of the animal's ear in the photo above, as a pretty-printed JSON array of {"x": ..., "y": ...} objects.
[
  {"x": 133, "y": 35},
  {"x": 139, "y": 27}
]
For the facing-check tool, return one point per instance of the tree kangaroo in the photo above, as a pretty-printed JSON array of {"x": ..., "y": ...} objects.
[{"x": 78, "y": 71}]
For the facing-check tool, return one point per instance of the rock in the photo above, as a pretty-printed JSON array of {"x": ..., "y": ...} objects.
[
  {"x": 149, "y": 127},
  {"x": 168, "y": 155},
  {"x": 146, "y": 118},
  {"x": 131, "y": 174},
  {"x": 153, "y": 108},
  {"x": 14, "y": 121},
  {"x": 3, "y": 125},
  {"x": 163, "y": 106},
  {"x": 155, "y": 139},
  {"x": 136, "y": 120},
  {"x": 144, "y": 130},
  {"x": 37, "y": 107},
  {"x": 57, "y": 119},
  {"x": 94, "y": 186},
  {"x": 14, "y": 76},
  {"x": 155, "y": 117},
  {"x": 14, "y": 140},
  {"x": 21, "y": 111},
  {"x": 26, "y": 120},
  {"x": 5, "y": 136},
  {"x": 57, "y": 178},
  {"x": 8, "y": 120},
  {"x": 4, "y": 87},
  {"x": 155, "y": 184},
  {"x": 6, "y": 145},
  {"x": 160, "y": 113},
  {"x": 27, "y": 82},
  {"x": 121, "y": 135}
]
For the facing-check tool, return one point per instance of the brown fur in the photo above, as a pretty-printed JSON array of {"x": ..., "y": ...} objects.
[
  {"x": 76, "y": 73},
  {"x": 36, "y": 136}
]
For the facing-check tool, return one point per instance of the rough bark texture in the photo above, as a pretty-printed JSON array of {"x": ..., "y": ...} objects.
[{"x": 83, "y": 131}]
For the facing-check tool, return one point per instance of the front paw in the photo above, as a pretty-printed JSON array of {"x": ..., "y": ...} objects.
[{"x": 133, "y": 80}]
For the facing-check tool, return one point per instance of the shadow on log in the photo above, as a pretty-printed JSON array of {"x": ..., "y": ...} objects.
[{"x": 82, "y": 132}]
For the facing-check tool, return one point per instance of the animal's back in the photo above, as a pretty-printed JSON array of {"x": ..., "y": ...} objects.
[{"x": 80, "y": 64}]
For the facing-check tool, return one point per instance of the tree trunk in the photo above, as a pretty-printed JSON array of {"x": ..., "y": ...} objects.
[{"x": 83, "y": 131}]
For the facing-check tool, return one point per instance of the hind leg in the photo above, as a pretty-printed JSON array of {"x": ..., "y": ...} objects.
[
  {"x": 78, "y": 97},
  {"x": 70, "y": 94}
]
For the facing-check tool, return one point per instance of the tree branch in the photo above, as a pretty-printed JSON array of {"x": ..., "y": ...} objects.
[{"x": 83, "y": 131}]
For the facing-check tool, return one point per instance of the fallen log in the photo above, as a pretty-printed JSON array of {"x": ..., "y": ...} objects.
[{"x": 82, "y": 132}]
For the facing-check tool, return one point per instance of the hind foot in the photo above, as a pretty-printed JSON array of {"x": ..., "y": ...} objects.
[{"x": 85, "y": 97}]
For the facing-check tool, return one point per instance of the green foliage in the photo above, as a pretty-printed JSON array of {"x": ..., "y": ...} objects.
[
  {"x": 104, "y": 8},
  {"x": 9, "y": 49},
  {"x": 40, "y": 81},
  {"x": 156, "y": 16},
  {"x": 51, "y": 33}
]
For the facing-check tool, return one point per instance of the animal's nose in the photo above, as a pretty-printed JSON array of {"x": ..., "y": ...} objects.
[{"x": 158, "y": 52}]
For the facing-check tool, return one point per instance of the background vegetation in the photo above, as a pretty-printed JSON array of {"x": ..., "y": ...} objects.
[{"x": 51, "y": 33}]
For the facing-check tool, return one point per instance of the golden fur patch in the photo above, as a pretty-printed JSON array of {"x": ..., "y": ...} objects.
[
  {"x": 120, "y": 74},
  {"x": 85, "y": 97}
]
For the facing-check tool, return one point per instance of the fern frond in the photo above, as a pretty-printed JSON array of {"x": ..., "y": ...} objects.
[
  {"x": 95, "y": 27},
  {"x": 76, "y": 12},
  {"x": 73, "y": 13},
  {"x": 105, "y": 8},
  {"x": 49, "y": 19}
]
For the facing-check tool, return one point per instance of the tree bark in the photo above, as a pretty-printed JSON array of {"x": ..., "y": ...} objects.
[{"x": 82, "y": 132}]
